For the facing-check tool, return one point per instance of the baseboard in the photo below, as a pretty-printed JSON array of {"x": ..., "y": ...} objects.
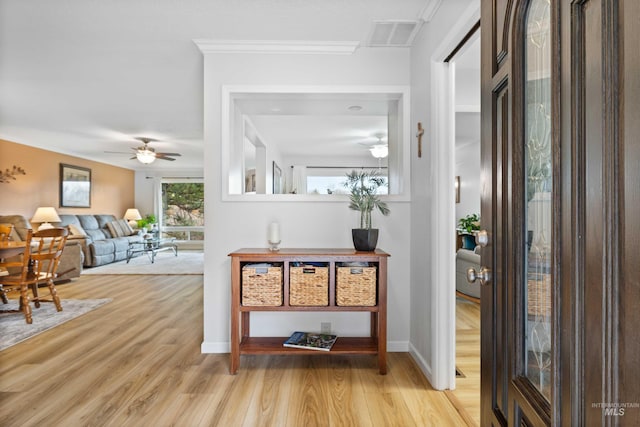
[
  {"x": 468, "y": 297},
  {"x": 215, "y": 347},
  {"x": 422, "y": 364},
  {"x": 397, "y": 346}
]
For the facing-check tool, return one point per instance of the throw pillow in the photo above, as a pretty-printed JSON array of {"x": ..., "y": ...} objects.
[
  {"x": 119, "y": 228},
  {"x": 76, "y": 230},
  {"x": 126, "y": 227}
]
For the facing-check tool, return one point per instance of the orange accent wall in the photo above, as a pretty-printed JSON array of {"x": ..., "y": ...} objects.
[{"x": 112, "y": 188}]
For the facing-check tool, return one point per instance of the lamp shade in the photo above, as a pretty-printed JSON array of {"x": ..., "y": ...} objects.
[
  {"x": 132, "y": 215},
  {"x": 45, "y": 215},
  {"x": 146, "y": 156},
  {"x": 379, "y": 151}
]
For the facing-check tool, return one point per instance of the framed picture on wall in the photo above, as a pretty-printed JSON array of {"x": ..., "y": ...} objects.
[
  {"x": 250, "y": 181},
  {"x": 277, "y": 179},
  {"x": 75, "y": 186}
]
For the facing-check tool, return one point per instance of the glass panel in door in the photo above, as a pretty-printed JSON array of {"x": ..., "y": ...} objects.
[{"x": 538, "y": 190}]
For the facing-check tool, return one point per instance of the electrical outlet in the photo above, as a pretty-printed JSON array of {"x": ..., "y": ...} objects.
[{"x": 325, "y": 327}]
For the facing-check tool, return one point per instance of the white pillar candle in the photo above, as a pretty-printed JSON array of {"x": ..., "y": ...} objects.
[{"x": 274, "y": 232}]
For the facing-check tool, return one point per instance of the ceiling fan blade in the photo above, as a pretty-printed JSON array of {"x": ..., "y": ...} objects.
[
  {"x": 170, "y": 154},
  {"x": 163, "y": 157}
]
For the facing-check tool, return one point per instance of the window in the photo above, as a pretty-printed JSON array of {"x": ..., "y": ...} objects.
[
  {"x": 331, "y": 180},
  {"x": 183, "y": 209}
]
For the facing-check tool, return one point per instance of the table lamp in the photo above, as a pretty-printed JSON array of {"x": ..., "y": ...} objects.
[
  {"x": 132, "y": 215},
  {"x": 45, "y": 215}
]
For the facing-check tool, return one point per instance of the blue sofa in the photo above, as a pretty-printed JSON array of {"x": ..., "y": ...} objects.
[{"x": 96, "y": 236}]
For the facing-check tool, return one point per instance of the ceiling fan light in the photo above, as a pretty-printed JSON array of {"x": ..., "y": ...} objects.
[
  {"x": 145, "y": 156},
  {"x": 379, "y": 151}
]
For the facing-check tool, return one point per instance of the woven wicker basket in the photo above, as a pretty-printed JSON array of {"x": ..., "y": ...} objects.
[
  {"x": 309, "y": 286},
  {"x": 356, "y": 286},
  {"x": 261, "y": 286}
]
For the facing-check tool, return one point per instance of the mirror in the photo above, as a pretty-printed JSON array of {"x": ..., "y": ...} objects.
[{"x": 303, "y": 141}]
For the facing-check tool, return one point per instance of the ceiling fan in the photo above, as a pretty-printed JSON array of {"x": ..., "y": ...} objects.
[
  {"x": 147, "y": 155},
  {"x": 379, "y": 149}
]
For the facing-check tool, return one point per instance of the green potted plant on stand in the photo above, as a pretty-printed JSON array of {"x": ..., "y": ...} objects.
[
  {"x": 363, "y": 197},
  {"x": 466, "y": 226}
]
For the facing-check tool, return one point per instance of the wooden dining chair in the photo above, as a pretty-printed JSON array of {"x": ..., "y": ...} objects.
[
  {"x": 5, "y": 236},
  {"x": 16, "y": 270},
  {"x": 42, "y": 262},
  {"x": 5, "y": 232}
]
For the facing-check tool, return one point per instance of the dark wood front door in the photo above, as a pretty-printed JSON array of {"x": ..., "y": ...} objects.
[{"x": 561, "y": 207}]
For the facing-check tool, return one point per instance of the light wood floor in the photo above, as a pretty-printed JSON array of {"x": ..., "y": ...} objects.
[
  {"x": 136, "y": 362},
  {"x": 467, "y": 391}
]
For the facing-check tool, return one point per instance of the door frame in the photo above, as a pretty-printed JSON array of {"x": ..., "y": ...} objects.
[{"x": 442, "y": 133}]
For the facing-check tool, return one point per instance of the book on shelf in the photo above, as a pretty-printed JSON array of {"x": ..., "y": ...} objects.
[{"x": 311, "y": 341}]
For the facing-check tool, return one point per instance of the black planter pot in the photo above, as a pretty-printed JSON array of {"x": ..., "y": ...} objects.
[{"x": 365, "y": 239}]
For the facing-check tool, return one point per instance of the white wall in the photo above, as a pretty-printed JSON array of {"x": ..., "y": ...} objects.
[
  {"x": 467, "y": 167},
  {"x": 232, "y": 225},
  {"x": 467, "y": 89},
  {"x": 426, "y": 198}
]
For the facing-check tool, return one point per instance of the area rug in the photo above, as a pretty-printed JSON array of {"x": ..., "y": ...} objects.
[
  {"x": 15, "y": 329},
  {"x": 166, "y": 263}
]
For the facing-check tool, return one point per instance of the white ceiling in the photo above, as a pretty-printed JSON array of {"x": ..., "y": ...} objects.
[{"x": 86, "y": 76}]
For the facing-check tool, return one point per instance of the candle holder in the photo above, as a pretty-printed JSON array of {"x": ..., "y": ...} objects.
[
  {"x": 273, "y": 246},
  {"x": 273, "y": 236}
]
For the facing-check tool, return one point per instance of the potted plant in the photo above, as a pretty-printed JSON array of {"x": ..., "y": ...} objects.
[
  {"x": 147, "y": 222},
  {"x": 466, "y": 226},
  {"x": 363, "y": 197}
]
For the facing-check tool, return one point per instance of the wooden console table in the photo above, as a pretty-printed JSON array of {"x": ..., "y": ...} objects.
[{"x": 243, "y": 343}]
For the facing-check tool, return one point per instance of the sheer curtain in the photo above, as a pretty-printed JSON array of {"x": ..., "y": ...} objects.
[
  {"x": 157, "y": 201},
  {"x": 299, "y": 180}
]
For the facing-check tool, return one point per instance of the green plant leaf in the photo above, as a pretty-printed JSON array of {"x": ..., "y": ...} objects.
[{"x": 363, "y": 197}]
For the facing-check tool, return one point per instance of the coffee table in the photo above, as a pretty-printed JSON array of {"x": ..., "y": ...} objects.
[{"x": 151, "y": 247}]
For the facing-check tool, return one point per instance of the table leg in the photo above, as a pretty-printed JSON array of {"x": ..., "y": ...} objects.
[
  {"x": 24, "y": 303},
  {"x": 3, "y": 295},
  {"x": 235, "y": 342},
  {"x": 235, "y": 316},
  {"x": 381, "y": 322}
]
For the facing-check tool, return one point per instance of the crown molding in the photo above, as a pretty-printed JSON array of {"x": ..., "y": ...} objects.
[
  {"x": 277, "y": 47},
  {"x": 430, "y": 9}
]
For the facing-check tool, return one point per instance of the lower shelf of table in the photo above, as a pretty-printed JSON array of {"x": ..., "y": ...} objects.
[{"x": 273, "y": 345}]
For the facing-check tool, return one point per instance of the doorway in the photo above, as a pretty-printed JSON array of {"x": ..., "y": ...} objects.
[
  {"x": 464, "y": 63},
  {"x": 444, "y": 222}
]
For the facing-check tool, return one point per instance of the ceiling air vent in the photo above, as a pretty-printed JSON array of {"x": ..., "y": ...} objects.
[{"x": 393, "y": 33}]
